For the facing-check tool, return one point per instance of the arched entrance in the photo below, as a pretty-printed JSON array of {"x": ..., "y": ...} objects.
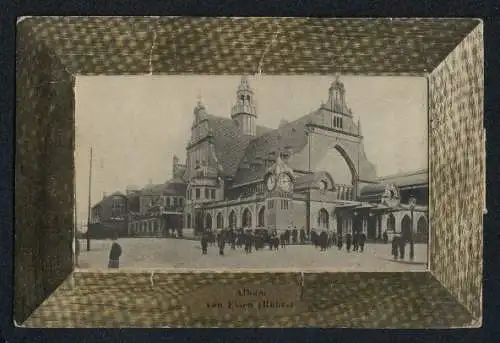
[
  {"x": 246, "y": 218},
  {"x": 220, "y": 221},
  {"x": 391, "y": 223},
  {"x": 323, "y": 219},
  {"x": 406, "y": 228},
  {"x": 208, "y": 221},
  {"x": 261, "y": 222},
  {"x": 232, "y": 220},
  {"x": 422, "y": 231}
]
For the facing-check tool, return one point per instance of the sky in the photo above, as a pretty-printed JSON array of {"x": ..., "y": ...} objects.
[{"x": 135, "y": 124}]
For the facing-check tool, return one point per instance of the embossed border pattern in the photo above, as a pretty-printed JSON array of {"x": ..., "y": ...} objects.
[{"x": 51, "y": 51}]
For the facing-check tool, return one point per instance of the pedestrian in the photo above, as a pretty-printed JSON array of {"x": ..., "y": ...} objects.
[
  {"x": 221, "y": 241},
  {"x": 395, "y": 246},
  {"x": 323, "y": 240},
  {"x": 402, "y": 245},
  {"x": 204, "y": 242},
  {"x": 340, "y": 242},
  {"x": 282, "y": 240},
  {"x": 302, "y": 236},
  {"x": 362, "y": 240},
  {"x": 115, "y": 253},
  {"x": 386, "y": 238},
  {"x": 348, "y": 242},
  {"x": 355, "y": 241},
  {"x": 276, "y": 243},
  {"x": 294, "y": 236},
  {"x": 232, "y": 237}
]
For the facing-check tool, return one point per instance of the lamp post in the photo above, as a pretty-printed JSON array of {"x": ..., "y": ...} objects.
[{"x": 412, "y": 201}]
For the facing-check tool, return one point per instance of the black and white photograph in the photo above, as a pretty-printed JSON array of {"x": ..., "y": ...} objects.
[
  {"x": 252, "y": 172},
  {"x": 264, "y": 173}
]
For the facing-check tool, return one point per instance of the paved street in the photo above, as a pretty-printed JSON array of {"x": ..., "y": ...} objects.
[{"x": 169, "y": 253}]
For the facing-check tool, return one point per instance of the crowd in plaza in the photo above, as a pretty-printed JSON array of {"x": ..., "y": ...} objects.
[{"x": 258, "y": 239}]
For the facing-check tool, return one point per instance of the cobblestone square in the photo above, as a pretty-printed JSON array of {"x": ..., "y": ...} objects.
[{"x": 179, "y": 254}]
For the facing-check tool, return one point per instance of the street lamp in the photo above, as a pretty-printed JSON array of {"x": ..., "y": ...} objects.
[{"x": 412, "y": 201}]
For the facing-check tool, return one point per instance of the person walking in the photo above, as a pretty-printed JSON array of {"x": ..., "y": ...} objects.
[
  {"x": 395, "y": 246},
  {"x": 402, "y": 245},
  {"x": 221, "y": 241},
  {"x": 115, "y": 253},
  {"x": 204, "y": 242},
  {"x": 355, "y": 241},
  {"x": 362, "y": 240},
  {"x": 339, "y": 242},
  {"x": 348, "y": 241}
]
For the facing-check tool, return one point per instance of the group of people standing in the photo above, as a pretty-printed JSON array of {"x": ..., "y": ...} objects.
[
  {"x": 258, "y": 238},
  {"x": 325, "y": 240},
  {"x": 250, "y": 239}
]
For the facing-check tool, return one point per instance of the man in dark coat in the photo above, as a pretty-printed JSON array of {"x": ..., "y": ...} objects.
[
  {"x": 283, "y": 239},
  {"x": 362, "y": 240},
  {"x": 348, "y": 242},
  {"x": 232, "y": 237},
  {"x": 294, "y": 236},
  {"x": 323, "y": 240},
  {"x": 221, "y": 242},
  {"x": 302, "y": 236},
  {"x": 402, "y": 245},
  {"x": 339, "y": 241},
  {"x": 115, "y": 253},
  {"x": 395, "y": 247},
  {"x": 276, "y": 243},
  {"x": 204, "y": 242},
  {"x": 355, "y": 241}
]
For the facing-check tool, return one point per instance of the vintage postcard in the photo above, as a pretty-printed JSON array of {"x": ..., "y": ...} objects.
[
  {"x": 252, "y": 173},
  {"x": 249, "y": 172}
]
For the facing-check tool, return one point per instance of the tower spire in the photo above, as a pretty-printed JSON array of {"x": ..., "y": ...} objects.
[{"x": 244, "y": 110}]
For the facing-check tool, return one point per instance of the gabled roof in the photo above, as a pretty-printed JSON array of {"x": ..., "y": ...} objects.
[
  {"x": 291, "y": 135},
  {"x": 230, "y": 144}
]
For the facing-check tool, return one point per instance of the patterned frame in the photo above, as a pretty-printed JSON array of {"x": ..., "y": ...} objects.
[{"x": 52, "y": 50}]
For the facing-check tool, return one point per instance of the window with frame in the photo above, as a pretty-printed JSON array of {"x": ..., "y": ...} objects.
[
  {"x": 207, "y": 195},
  {"x": 213, "y": 193},
  {"x": 197, "y": 193}
]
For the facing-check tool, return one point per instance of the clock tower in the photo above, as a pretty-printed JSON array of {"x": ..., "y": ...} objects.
[{"x": 279, "y": 195}]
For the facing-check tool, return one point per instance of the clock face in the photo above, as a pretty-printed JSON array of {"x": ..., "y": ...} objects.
[
  {"x": 271, "y": 182},
  {"x": 285, "y": 182}
]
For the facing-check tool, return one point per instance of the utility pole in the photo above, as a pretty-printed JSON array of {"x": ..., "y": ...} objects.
[{"x": 90, "y": 199}]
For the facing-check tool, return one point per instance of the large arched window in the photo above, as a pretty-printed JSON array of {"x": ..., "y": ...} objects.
[
  {"x": 232, "y": 220},
  {"x": 261, "y": 222},
  {"x": 220, "y": 221},
  {"x": 422, "y": 230},
  {"x": 323, "y": 219},
  {"x": 246, "y": 218},
  {"x": 391, "y": 222},
  {"x": 406, "y": 228}
]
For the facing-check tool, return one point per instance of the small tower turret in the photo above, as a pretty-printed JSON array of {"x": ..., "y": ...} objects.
[{"x": 244, "y": 111}]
